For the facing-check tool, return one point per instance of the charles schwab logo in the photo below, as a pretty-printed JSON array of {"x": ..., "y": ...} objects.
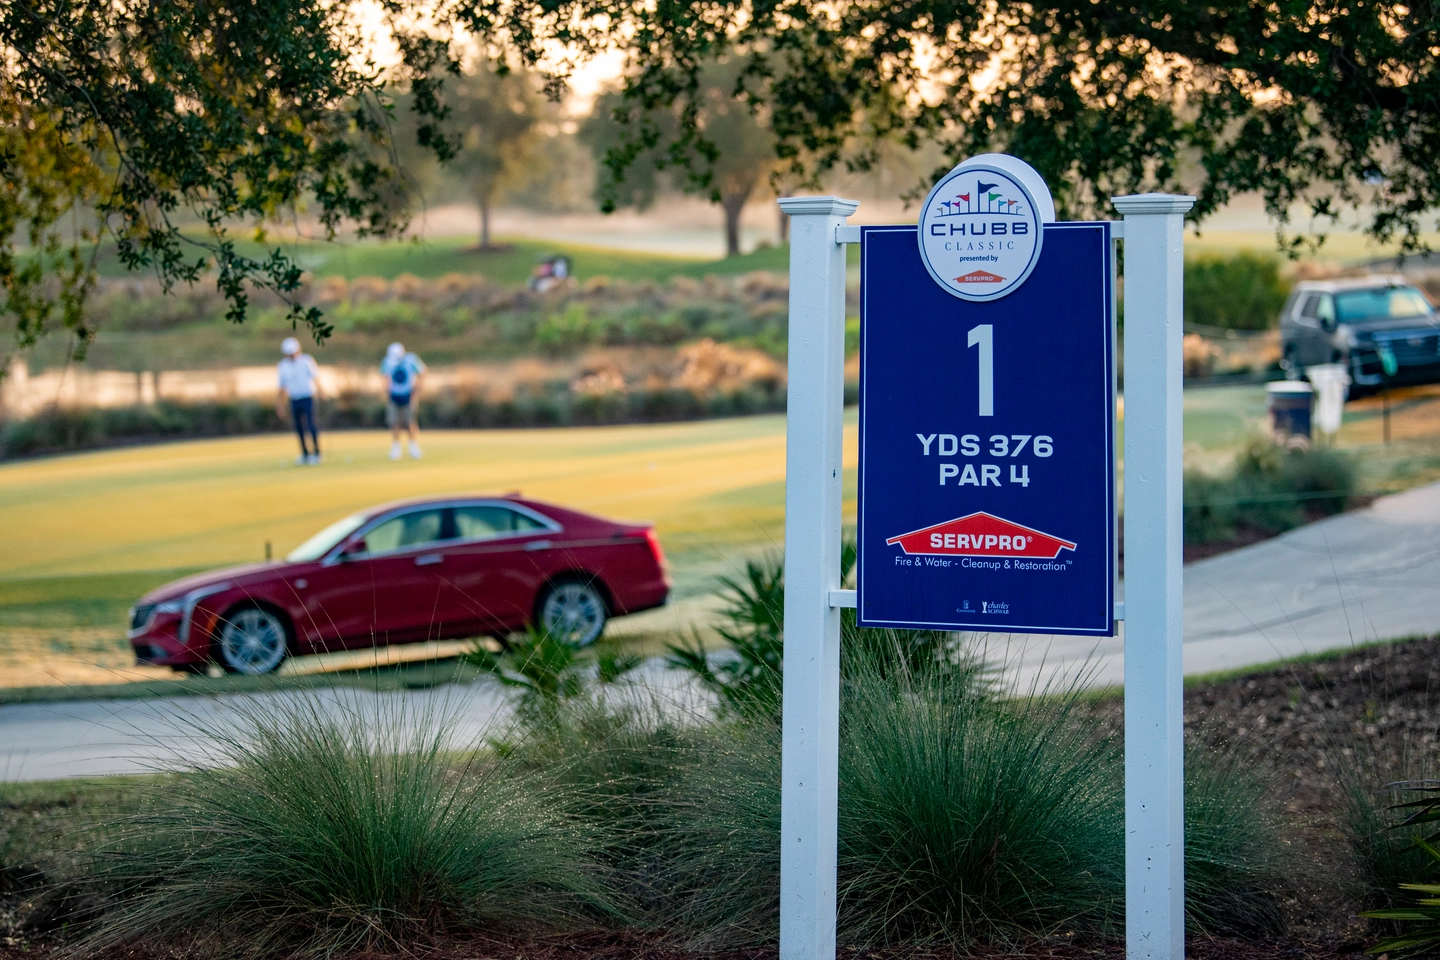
[
  {"x": 980, "y": 229},
  {"x": 980, "y": 535}
]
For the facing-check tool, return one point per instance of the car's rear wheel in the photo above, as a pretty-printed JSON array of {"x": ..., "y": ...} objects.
[
  {"x": 573, "y": 611},
  {"x": 252, "y": 641}
]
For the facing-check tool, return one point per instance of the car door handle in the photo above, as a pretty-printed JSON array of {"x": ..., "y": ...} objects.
[
  {"x": 539, "y": 545},
  {"x": 429, "y": 559}
]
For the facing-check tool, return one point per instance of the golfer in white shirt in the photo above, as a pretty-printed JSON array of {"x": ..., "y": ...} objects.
[{"x": 299, "y": 381}]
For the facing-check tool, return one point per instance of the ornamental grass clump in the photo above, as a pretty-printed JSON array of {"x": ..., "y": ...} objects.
[
  {"x": 965, "y": 816},
  {"x": 338, "y": 822}
]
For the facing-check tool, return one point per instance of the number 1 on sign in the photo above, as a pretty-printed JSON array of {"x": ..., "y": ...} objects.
[{"x": 983, "y": 336}]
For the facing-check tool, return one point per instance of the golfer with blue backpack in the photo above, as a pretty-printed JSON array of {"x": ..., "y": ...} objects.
[{"x": 402, "y": 372}]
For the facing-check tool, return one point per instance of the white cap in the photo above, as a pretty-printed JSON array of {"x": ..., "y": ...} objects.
[
  {"x": 289, "y": 346},
  {"x": 395, "y": 352}
]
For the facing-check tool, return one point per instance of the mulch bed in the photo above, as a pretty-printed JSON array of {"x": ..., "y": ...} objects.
[
  {"x": 628, "y": 946},
  {"x": 1377, "y": 706},
  {"x": 611, "y": 945},
  {"x": 1369, "y": 717}
]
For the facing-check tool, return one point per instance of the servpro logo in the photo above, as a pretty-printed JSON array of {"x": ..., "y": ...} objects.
[
  {"x": 980, "y": 232},
  {"x": 980, "y": 535}
]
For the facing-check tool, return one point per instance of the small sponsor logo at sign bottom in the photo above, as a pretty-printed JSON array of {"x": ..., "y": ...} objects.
[{"x": 980, "y": 276}]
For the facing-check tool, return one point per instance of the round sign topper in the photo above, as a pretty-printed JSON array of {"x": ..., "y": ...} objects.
[{"x": 980, "y": 229}]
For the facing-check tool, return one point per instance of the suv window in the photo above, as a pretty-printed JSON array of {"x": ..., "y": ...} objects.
[
  {"x": 1319, "y": 307},
  {"x": 407, "y": 530},
  {"x": 479, "y": 522},
  {"x": 1381, "y": 303}
]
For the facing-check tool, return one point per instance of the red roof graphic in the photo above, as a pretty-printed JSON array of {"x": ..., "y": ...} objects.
[
  {"x": 981, "y": 535},
  {"x": 979, "y": 276}
]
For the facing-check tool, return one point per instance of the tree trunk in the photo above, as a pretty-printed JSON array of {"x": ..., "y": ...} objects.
[
  {"x": 485, "y": 224},
  {"x": 784, "y": 231},
  {"x": 733, "y": 204}
]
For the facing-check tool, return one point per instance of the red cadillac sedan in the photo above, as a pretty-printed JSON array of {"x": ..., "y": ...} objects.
[{"x": 417, "y": 570}]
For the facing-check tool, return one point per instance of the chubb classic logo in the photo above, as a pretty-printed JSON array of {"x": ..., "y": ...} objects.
[
  {"x": 980, "y": 232},
  {"x": 981, "y": 535}
]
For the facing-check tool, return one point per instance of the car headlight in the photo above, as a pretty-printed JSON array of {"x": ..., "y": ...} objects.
[
  {"x": 171, "y": 606},
  {"x": 1346, "y": 338}
]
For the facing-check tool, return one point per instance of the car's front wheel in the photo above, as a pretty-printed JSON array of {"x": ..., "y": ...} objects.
[
  {"x": 252, "y": 641},
  {"x": 573, "y": 611}
]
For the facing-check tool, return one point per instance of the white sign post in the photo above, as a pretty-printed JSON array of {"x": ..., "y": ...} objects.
[
  {"x": 814, "y": 419},
  {"x": 1154, "y": 601},
  {"x": 1154, "y": 761}
]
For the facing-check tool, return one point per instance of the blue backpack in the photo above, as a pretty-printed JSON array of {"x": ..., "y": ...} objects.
[{"x": 400, "y": 377}]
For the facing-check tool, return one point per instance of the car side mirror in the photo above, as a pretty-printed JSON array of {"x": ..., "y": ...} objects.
[
  {"x": 354, "y": 550},
  {"x": 1329, "y": 324}
]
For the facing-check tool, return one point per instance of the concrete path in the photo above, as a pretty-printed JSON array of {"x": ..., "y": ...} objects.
[
  {"x": 90, "y": 738},
  {"x": 1370, "y": 575}
]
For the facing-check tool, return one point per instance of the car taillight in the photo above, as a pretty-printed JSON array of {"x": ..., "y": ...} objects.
[{"x": 655, "y": 551}]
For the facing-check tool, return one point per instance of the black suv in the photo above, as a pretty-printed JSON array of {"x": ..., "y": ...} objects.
[{"x": 1382, "y": 328}]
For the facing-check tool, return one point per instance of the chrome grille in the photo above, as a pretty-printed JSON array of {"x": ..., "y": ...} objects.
[
  {"x": 140, "y": 615},
  {"x": 1410, "y": 351}
]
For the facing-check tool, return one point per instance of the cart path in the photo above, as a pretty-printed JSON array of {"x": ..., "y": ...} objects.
[
  {"x": 1361, "y": 577},
  {"x": 1364, "y": 576},
  {"x": 91, "y": 738}
]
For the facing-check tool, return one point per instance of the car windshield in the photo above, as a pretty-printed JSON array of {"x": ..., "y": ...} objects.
[
  {"x": 1381, "y": 303},
  {"x": 324, "y": 541}
]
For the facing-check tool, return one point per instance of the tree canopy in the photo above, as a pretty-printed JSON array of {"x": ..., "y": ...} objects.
[
  {"x": 495, "y": 115},
  {"x": 1331, "y": 102},
  {"x": 120, "y": 118},
  {"x": 732, "y": 155}
]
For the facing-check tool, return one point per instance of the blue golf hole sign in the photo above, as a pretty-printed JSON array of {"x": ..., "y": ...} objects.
[{"x": 987, "y": 431}]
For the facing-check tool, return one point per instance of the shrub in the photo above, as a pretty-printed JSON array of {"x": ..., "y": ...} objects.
[
  {"x": 568, "y": 330},
  {"x": 614, "y": 757},
  {"x": 67, "y": 429},
  {"x": 1386, "y": 847},
  {"x": 546, "y": 672},
  {"x": 963, "y": 817},
  {"x": 966, "y": 818},
  {"x": 1235, "y": 861},
  {"x": 76, "y": 429},
  {"x": 1409, "y": 828},
  {"x": 1243, "y": 291},
  {"x": 328, "y": 826},
  {"x": 1269, "y": 489},
  {"x": 1423, "y": 938},
  {"x": 747, "y": 680}
]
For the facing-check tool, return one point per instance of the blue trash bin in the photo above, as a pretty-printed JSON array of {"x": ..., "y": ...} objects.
[{"x": 1290, "y": 403}]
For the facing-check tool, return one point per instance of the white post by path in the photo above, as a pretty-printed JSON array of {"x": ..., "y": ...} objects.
[
  {"x": 811, "y": 709},
  {"x": 1154, "y": 735}
]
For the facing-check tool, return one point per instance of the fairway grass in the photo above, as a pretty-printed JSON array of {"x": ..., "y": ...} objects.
[
  {"x": 82, "y": 536},
  {"x": 710, "y": 487}
]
